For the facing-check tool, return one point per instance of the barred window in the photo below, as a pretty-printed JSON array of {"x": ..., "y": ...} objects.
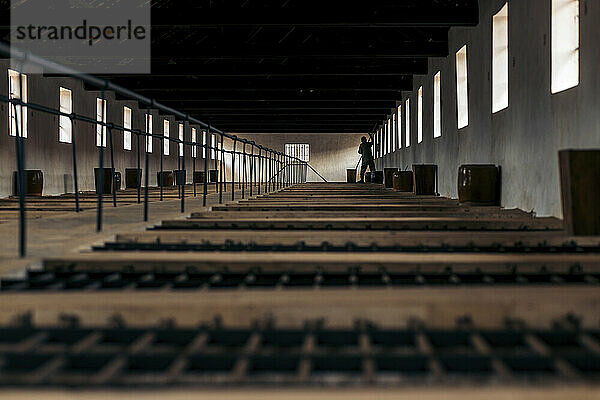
[
  {"x": 17, "y": 87},
  {"x": 65, "y": 127},
  {"x": 127, "y": 128},
  {"x": 100, "y": 118},
  {"x": 298, "y": 150}
]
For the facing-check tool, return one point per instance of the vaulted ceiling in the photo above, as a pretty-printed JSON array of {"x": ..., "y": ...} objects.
[{"x": 293, "y": 65}]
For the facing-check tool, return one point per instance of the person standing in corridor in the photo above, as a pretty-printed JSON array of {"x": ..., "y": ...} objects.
[{"x": 366, "y": 150}]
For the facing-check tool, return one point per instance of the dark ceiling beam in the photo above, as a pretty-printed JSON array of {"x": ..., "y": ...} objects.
[
  {"x": 288, "y": 68},
  {"x": 194, "y": 84},
  {"x": 300, "y": 126},
  {"x": 396, "y": 49},
  {"x": 329, "y": 13},
  {"x": 287, "y": 107},
  {"x": 307, "y": 125},
  {"x": 373, "y": 114},
  {"x": 294, "y": 118},
  {"x": 383, "y": 105},
  {"x": 278, "y": 95},
  {"x": 301, "y": 130}
]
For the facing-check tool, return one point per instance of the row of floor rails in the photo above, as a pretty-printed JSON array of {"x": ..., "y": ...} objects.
[
  {"x": 314, "y": 355},
  {"x": 38, "y": 206},
  {"x": 442, "y": 292}
]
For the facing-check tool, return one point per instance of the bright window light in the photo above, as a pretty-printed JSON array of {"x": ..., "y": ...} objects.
[
  {"x": 500, "y": 60},
  {"x": 204, "y": 143},
  {"x": 166, "y": 141},
  {"x": 100, "y": 117},
  {"x": 437, "y": 105},
  {"x": 298, "y": 150},
  {"x": 383, "y": 140},
  {"x": 399, "y": 127},
  {"x": 65, "y": 126},
  {"x": 181, "y": 136},
  {"x": 194, "y": 149},
  {"x": 17, "y": 87},
  {"x": 565, "y": 44},
  {"x": 149, "y": 132},
  {"x": 407, "y": 127},
  {"x": 395, "y": 144},
  {"x": 420, "y": 115},
  {"x": 387, "y": 134},
  {"x": 213, "y": 141},
  {"x": 387, "y": 137},
  {"x": 127, "y": 126},
  {"x": 462, "y": 90},
  {"x": 390, "y": 137}
]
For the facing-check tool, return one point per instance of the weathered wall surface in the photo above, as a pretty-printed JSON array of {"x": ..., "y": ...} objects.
[
  {"x": 525, "y": 138},
  {"x": 44, "y": 151},
  {"x": 330, "y": 154}
]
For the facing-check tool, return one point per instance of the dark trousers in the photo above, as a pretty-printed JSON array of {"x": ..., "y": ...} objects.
[{"x": 363, "y": 168}]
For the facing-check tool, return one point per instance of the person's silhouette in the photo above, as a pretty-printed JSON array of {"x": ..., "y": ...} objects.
[{"x": 365, "y": 149}]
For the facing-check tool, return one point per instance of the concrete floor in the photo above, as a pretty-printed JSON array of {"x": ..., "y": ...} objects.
[{"x": 71, "y": 232}]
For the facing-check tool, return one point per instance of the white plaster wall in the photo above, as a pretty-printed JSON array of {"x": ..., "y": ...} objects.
[
  {"x": 330, "y": 154},
  {"x": 525, "y": 138}
]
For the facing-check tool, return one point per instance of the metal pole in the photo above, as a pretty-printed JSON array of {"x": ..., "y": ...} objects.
[
  {"x": 195, "y": 150},
  {"x": 259, "y": 162},
  {"x": 271, "y": 183},
  {"x": 216, "y": 151},
  {"x": 177, "y": 178},
  {"x": 251, "y": 174},
  {"x": 20, "y": 155},
  {"x": 275, "y": 171},
  {"x": 244, "y": 176},
  {"x": 287, "y": 173},
  {"x": 221, "y": 176},
  {"x": 240, "y": 171},
  {"x": 206, "y": 155},
  {"x": 267, "y": 177},
  {"x": 284, "y": 170},
  {"x": 279, "y": 170},
  {"x": 138, "y": 175},
  {"x": 233, "y": 169},
  {"x": 112, "y": 168},
  {"x": 75, "y": 180},
  {"x": 183, "y": 171},
  {"x": 100, "y": 180},
  {"x": 161, "y": 179},
  {"x": 146, "y": 163}
]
